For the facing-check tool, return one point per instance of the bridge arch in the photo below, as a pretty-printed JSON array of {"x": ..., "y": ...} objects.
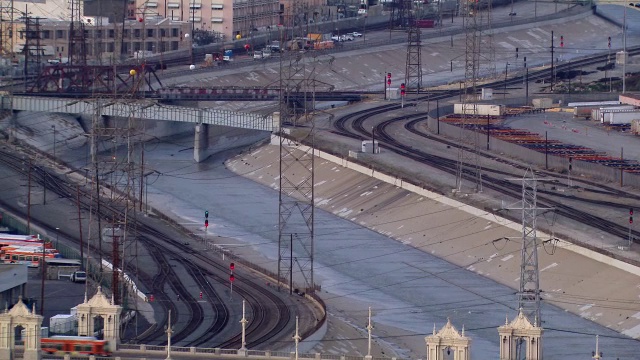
[
  {"x": 20, "y": 315},
  {"x": 100, "y": 306},
  {"x": 448, "y": 340},
  {"x": 520, "y": 337}
]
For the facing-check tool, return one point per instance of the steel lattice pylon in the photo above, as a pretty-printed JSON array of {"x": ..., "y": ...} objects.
[
  {"x": 529, "y": 294},
  {"x": 413, "y": 72},
  {"x": 7, "y": 16},
  {"x": 296, "y": 197},
  {"x": 115, "y": 164},
  {"x": 399, "y": 14},
  {"x": 468, "y": 134},
  {"x": 77, "y": 37}
]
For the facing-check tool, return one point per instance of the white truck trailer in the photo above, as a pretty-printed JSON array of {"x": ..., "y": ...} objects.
[
  {"x": 621, "y": 118},
  {"x": 598, "y": 114},
  {"x": 479, "y": 109}
]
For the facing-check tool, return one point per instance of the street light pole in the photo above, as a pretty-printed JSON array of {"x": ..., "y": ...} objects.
[
  {"x": 506, "y": 72},
  {"x": 57, "y": 236},
  {"x": 54, "y": 140},
  {"x": 193, "y": 27}
]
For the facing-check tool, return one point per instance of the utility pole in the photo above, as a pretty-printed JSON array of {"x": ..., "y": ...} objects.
[
  {"x": 44, "y": 274},
  {"x": 624, "y": 51},
  {"x": 552, "y": 57},
  {"x": 29, "y": 200},
  {"x": 80, "y": 225}
]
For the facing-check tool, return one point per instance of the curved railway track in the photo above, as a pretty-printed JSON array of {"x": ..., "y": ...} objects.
[
  {"x": 498, "y": 184},
  {"x": 270, "y": 314}
]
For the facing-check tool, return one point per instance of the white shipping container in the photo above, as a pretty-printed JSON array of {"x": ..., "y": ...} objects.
[
  {"x": 479, "y": 109},
  {"x": 621, "y": 118},
  {"x": 367, "y": 147},
  {"x": 393, "y": 93},
  {"x": 597, "y": 114},
  {"x": 635, "y": 127},
  {"x": 62, "y": 323},
  {"x": 487, "y": 94},
  {"x": 594, "y": 103},
  {"x": 542, "y": 103}
]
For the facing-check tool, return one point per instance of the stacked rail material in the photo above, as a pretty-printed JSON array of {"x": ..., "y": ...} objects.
[
  {"x": 534, "y": 141},
  {"x": 472, "y": 121}
]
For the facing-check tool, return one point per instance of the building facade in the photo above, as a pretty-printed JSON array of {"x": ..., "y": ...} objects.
[
  {"x": 104, "y": 41},
  {"x": 229, "y": 18}
]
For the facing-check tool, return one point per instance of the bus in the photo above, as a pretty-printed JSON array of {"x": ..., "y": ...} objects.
[
  {"x": 30, "y": 255},
  {"x": 75, "y": 345}
]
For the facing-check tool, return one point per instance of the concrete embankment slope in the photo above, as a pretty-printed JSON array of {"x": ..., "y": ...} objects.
[{"x": 575, "y": 279}]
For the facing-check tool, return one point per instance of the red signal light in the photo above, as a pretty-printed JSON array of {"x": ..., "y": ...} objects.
[
  {"x": 206, "y": 223},
  {"x": 232, "y": 278},
  {"x": 232, "y": 266},
  {"x": 388, "y": 75}
]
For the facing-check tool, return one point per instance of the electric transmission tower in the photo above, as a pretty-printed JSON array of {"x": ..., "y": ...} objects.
[
  {"x": 529, "y": 291},
  {"x": 115, "y": 175},
  {"x": 489, "y": 54},
  {"x": 413, "y": 72},
  {"x": 296, "y": 198},
  {"x": 469, "y": 159},
  {"x": 77, "y": 38},
  {"x": 7, "y": 16}
]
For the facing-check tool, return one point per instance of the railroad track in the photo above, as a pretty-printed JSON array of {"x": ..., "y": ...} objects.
[
  {"x": 492, "y": 178},
  {"x": 270, "y": 315}
]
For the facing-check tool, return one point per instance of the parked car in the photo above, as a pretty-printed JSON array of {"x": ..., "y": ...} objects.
[
  {"x": 346, "y": 37},
  {"x": 78, "y": 276},
  {"x": 355, "y": 34},
  {"x": 257, "y": 55},
  {"x": 336, "y": 38}
]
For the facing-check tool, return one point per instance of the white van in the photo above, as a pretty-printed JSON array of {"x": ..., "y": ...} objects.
[{"x": 78, "y": 276}]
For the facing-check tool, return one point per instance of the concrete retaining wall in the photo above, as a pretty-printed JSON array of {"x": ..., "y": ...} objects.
[{"x": 479, "y": 213}]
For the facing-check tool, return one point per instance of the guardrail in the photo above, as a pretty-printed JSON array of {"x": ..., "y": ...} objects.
[{"x": 134, "y": 350}]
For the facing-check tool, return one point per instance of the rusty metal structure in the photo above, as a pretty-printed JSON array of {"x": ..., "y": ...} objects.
[
  {"x": 400, "y": 10},
  {"x": 32, "y": 48},
  {"x": 88, "y": 80}
]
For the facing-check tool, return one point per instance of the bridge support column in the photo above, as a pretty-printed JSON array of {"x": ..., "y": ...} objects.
[
  {"x": 12, "y": 126},
  {"x": 201, "y": 142}
]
